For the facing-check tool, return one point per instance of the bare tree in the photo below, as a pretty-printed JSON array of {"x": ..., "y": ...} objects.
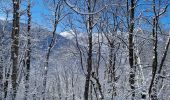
[
  {"x": 89, "y": 26},
  {"x": 131, "y": 22},
  {"x": 1, "y": 67},
  {"x": 113, "y": 46},
  {"x": 58, "y": 16},
  {"x": 158, "y": 12},
  {"x": 14, "y": 46},
  {"x": 28, "y": 50}
]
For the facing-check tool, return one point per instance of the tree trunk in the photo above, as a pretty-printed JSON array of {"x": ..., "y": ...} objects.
[
  {"x": 14, "y": 47},
  {"x": 112, "y": 62},
  {"x": 141, "y": 76},
  {"x": 59, "y": 87},
  {"x": 164, "y": 56},
  {"x": 52, "y": 42},
  {"x": 152, "y": 87},
  {"x": 1, "y": 68},
  {"x": 131, "y": 57},
  {"x": 157, "y": 78},
  {"x": 89, "y": 67},
  {"x": 28, "y": 51},
  {"x": 89, "y": 59}
]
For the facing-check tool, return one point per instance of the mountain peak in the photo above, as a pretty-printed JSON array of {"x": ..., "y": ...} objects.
[{"x": 68, "y": 34}]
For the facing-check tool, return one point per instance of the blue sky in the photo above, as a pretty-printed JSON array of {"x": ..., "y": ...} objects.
[{"x": 38, "y": 10}]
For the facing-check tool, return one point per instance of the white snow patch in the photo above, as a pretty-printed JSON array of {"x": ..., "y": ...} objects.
[{"x": 68, "y": 34}]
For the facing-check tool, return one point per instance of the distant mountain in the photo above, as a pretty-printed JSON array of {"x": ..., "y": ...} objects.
[{"x": 42, "y": 35}]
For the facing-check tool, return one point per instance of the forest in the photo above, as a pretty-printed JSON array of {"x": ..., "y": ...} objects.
[{"x": 84, "y": 50}]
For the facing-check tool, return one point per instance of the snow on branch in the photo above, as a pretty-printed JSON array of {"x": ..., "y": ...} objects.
[
  {"x": 163, "y": 10},
  {"x": 87, "y": 13},
  {"x": 83, "y": 13}
]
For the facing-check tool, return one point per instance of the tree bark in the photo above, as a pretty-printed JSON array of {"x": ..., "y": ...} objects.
[
  {"x": 28, "y": 51},
  {"x": 152, "y": 87},
  {"x": 112, "y": 72},
  {"x": 131, "y": 55},
  {"x": 14, "y": 46},
  {"x": 89, "y": 59},
  {"x": 1, "y": 68}
]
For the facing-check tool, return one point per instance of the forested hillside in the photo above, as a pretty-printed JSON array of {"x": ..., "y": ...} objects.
[{"x": 84, "y": 50}]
